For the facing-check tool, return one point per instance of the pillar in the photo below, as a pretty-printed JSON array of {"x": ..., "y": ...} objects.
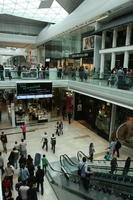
[
  {"x": 114, "y": 38},
  {"x": 13, "y": 114},
  {"x": 126, "y": 59},
  {"x": 103, "y": 39},
  {"x": 102, "y": 66},
  {"x": 96, "y": 57},
  {"x": 113, "y": 56},
  {"x": 113, "y": 118},
  {"x": 128, "y": 34},
  {"x": 38, "y": 55}
]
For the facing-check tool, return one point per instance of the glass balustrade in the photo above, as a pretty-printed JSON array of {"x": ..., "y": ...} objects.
[{"x": 124, "y": 82}]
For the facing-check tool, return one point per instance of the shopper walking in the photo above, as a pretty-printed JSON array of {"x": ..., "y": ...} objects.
[
  {"x": 40, "y": 179},
  {"x": 117, "y": 147},
  {"x": 69, "y": 117},
  {"x": 23, "y": 148},
  {"x": 23, "y": 127},
  {"x": 4, "y": 141},
  {"x": 114, "y": 165},
  {"x": 9, "y": 171},
  {"x": 53, "y": 143},
  {"x": 23, "y": 191},
  {"x": 45, "y": 141},
  {"x": 23, "y": 173},
  {"x": 91, "y": 151},
  {"x": 1, "y": 163},
  {"x": 127, "y": 166},
  {"x": 44, "y": 163},
  {"x": 85, "y": 173}
]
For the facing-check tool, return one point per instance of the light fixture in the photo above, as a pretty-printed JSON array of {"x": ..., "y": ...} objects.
[{"x": 101, "y": 18}]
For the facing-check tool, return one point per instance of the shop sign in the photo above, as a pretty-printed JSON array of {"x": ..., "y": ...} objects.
[{"x": 79, "y": 55}]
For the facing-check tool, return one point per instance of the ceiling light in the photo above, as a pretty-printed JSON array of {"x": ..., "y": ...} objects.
[{"x": 103, "y": 17}]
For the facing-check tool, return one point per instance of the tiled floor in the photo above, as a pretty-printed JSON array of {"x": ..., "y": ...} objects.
[{"x": 76, "y": 137}]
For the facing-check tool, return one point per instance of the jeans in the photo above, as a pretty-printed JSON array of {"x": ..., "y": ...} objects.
[
  {"x": 40, "y": 183},
  {"x": 53, "y": 148},
  {"x": 45, "y": 144},
  {"x": 4, "y": 147}
]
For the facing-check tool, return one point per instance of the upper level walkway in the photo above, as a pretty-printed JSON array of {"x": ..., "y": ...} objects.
[{"x": 97, "y": 88}]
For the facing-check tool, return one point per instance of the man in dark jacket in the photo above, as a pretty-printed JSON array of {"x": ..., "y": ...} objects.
[
  {"x": 40, "y": 179},
  {"x": 4, "y": 142},
  {"x": 117, "y": 147}
]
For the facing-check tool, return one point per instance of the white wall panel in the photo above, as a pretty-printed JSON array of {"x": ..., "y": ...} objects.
[{"x": 87, "y": 11}]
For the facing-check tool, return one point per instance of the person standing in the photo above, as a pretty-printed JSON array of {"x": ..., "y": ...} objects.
[
  {"x": 53, "y": 142},
  {"x": 4, "y": 141},
  {"x": 9, "y": 171},
  {"x": 23, "y": 127},
  {"x": 85, "y": 173},
  {"x": 32, "y": 192},
  {"x": 91, "y": 151},
  {"x": 117, "y": 147},
  {"x": 23, "y": 191},
  {"x": 24, "y": 173},
  {"x": 1, "y": 164},
  {"x": 69, "y": 117},
  {"x": 127, "y": 166},
  {"x": 114, "y": 165},
  {"x": 45, "y": 141},
  {"x": 40, "y": 179},
  {"x": 44, "y": 163},
  {"x": 61, "y": 127},
  {"x": 23, "y": 149}
]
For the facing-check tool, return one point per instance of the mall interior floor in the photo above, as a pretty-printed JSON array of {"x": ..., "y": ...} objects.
[{"x": 76, "y": 137}]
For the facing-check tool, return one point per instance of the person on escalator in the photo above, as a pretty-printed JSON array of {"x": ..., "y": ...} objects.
[
  {"x": 91, "y": 151},
  {"x": 85, "y": 173},
  {"x": 114, "y": 165}
]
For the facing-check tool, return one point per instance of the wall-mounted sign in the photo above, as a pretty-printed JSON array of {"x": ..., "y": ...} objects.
[
  {"x": 79, "y": 55},
  {"x": 88, "y": 43}
]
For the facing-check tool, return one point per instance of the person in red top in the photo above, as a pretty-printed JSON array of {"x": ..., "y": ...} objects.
[
  {"x": 6, "y": 183},
  {"x": 23, "y": 127}
]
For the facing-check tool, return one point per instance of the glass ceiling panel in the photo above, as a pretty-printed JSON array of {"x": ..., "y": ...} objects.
[{"x": 30, "y": 9}]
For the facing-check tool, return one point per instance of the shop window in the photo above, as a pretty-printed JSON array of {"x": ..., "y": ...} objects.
[
  {"x": 119, "y": 60},
  {"x": 130, "y": 64},
  {"x": 121, "y": 37},
  {"x": 109, "y": 39}
]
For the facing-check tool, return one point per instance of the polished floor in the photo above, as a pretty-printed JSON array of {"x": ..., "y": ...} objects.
[{"x": 76, "y": 137}]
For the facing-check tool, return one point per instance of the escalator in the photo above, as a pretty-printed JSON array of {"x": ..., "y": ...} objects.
[
  {"x": 102, "y": 179},
  {"x": 105, "y": 165}
]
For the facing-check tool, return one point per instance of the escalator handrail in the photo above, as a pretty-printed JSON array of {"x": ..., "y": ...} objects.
[
  {"x": 97, "y": 160},
  {"x": 72, "y": 162},
  {"x": 108, "y": 168}
]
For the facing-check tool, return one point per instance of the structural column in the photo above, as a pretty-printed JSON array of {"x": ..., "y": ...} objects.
[
  {"x": 126, "y": 59},
  {"x": 113, "y": 57},
  {"x": 13, "y": 114},
  {"x": 102, "y": 65},
  {"x": 103, "y": 39},
  {"x": 128, "y": 34},
  {"x": 114, "y": 38},
  {"x": 112, "y": 122}
]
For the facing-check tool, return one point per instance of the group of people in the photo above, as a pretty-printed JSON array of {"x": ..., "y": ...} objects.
[
  {"x": 45, "y": 142},
  {"x": 30, "y": 175}
]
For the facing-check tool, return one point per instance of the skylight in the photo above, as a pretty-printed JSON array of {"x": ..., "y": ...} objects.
[{"x": 30, "y": 9}]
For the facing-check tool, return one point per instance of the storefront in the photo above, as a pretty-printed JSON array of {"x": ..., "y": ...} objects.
[{"x": 93, "y": 113}]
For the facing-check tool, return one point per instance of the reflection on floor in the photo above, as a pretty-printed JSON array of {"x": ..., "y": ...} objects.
[{"x": 66, "y": 144}]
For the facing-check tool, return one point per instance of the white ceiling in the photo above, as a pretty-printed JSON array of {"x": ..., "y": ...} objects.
[{"x": 30, "y": 9}]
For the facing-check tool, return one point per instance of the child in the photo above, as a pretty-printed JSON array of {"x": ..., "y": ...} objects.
[{"x": 107, "y": 156}]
